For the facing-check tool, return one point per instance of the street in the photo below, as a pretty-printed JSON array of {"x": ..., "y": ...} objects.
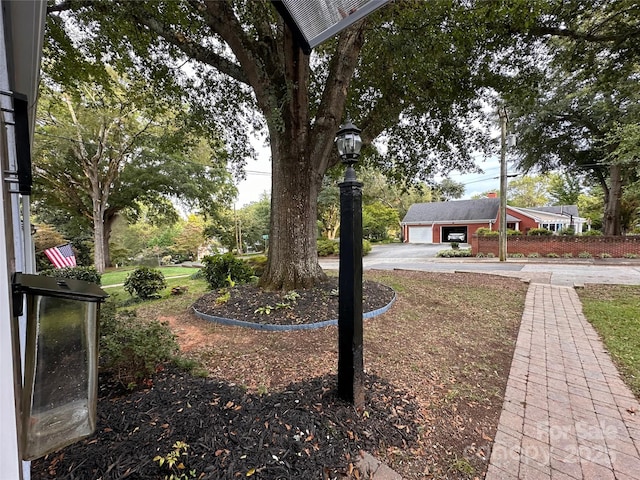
[{"x": 555, "y": 271}]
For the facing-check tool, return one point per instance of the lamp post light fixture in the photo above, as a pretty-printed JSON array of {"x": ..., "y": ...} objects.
[{"x": 350, "y": 349}]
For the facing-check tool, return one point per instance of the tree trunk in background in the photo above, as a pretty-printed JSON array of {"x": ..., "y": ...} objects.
[{"x": 612, "y": 212}]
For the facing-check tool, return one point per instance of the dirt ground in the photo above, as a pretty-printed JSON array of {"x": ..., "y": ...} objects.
[{"x": 436, "y": 368}]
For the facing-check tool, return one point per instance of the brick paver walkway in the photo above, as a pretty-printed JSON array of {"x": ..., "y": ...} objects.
[{"x": 566, "y": 414}]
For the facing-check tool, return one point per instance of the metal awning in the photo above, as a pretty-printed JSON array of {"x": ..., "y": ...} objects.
[{"x": 313, "y": 22}]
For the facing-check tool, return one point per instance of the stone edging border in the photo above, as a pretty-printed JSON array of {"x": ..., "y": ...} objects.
[{"x": 275, "y": 328}]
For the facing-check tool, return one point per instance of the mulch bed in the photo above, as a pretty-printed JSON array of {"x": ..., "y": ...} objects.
[
  {"x": 302, "y": 432},
  {"x": 320, "y": 303}
]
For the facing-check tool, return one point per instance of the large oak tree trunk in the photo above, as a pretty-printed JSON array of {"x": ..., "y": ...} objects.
[
  {"x": 293, "y": 258},
  {"x": 301, "y": 154}
]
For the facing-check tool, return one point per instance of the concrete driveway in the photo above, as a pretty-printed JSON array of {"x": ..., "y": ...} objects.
[{"x": 567, "y": 272}]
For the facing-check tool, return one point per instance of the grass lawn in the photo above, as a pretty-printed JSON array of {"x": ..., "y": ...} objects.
[
  {"x": 614, "y": 311},
  {"x": 114, "y": 277}
]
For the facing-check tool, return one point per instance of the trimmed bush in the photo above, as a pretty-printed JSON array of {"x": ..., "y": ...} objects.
[
  {"x": 88, "y": 274},
  {"x": 533, "y": 255},
  {"x": 585, "y": 255},
  {"x": 552, "y": 255},
  {"x": 592, "y": 233},
  {"x": 568, "y": 232},
  {"x": 132, "y": 350},
  {"x": 145, "y": 283},
  {"x": 539, "y": 232},
  {"x": 513, "y": 233},
  {"x": 485, "y": 232},
  {"x": 221, "y": 270},
  {"x": 327, "y": 247},
  {"x": 366, "y": 247},
  {"x": 332, "y": 247},
  {"x": 464, "y": 252}
]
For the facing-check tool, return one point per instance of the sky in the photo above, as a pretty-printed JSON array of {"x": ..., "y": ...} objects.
[{"x": 258, "y": 179}]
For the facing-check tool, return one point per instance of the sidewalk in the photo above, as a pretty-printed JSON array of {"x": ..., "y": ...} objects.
[{"x": 566, "y": 414}]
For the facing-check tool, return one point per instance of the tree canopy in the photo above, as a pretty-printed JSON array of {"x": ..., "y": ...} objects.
[
  {"x": 585, "y": 98},
  {"x": 108, "y": 148},
  {"x": 412, "y": 75},
  {"x": 246, "y": 70}
]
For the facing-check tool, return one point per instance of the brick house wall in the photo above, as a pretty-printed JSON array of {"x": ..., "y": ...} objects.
[{"x": 617, "y": 247}]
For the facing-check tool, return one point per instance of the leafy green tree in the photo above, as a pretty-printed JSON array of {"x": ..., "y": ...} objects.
[
  {"x": 565, "y": 189},
  {"x": 255, "y": 222},
  {"x": 528, "y": 191},
  {"x": 579, "y": 93},
  {"x": 329, "y": 208},
  {"x": 590, "y": 206},
  {"x": 378, "y": 220},
  {"x": 190, "y": 238},
  {"x": 223, "y": 229},
  {"x": 399, "y": 196},
  {"x": 448, "y": 189},
  {"x": 104, "y": 149},
  {"x": 245, "y": 61}
]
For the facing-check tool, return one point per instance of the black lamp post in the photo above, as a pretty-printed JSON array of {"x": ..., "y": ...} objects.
[{"x": 350, "y": 351}]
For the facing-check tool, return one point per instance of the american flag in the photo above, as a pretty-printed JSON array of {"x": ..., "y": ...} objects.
[{"x": 61, "y": 256}]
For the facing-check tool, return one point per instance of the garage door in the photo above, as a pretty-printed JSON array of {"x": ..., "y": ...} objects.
[{"x": 420, "y": 234}]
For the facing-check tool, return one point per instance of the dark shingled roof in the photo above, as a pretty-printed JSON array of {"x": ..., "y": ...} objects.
[
  {"x": 454, "y": 211},
  {"x": 558, "y": 209}
]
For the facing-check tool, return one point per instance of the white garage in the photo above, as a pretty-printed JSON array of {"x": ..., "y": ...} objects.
[{"x": 422, "y": 234}]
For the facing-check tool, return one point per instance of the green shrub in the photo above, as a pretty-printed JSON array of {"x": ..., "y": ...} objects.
[
  {"x": 592, "y": 233},
  {"x": 455, "y": 245},
  {"x": 513, "y": 233},
  {"x": 552, "y": 255},
  {"x": 464, "y": 252},
  {"x": 567, "y": 255},
  {"x": 585, "y": 255},
  {"x": 533, "y": 255},
  {"x": 132, "y": 350},
  {"x": 327, "y": 247},
  {"x": 198, "y": 275},
  {"x": 88, "y": 274},
  {"x": 605, "y": 255},
  {"x": 480, "y": 255},
  {"x": 567, "y": 232},
  {"x": 332, "y": 247},
  {"x": 539, "y": 232},
  {"x": 486, "y": 232},
  {"x": 145, "y": 283},
  {"x": 516, "y": 255},
  {"x": 258, "y": 263},
  {"x": 491, "y": 255},
  {"x": 366, "y": 247},
  {"x": 221, "y": 270},
  {"x": 631, "y": 255}
]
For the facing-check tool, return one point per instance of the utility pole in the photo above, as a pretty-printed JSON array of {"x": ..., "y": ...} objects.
[{"x": 502, "y": 247}]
